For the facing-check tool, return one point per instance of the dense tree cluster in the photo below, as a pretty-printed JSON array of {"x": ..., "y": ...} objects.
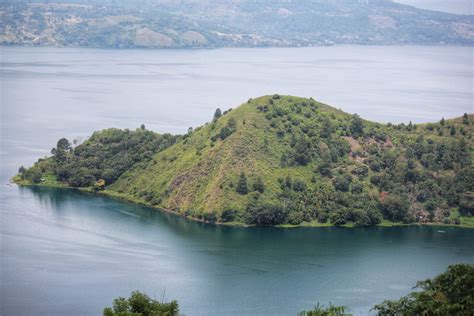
[
  {"x": 104, "y": 156},
  {"x": 421, "y": 177}
]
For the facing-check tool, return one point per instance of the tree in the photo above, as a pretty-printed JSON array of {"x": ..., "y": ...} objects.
[
  {"x": 357, "y": 126},
  {"x": 241, "y": 187},
  {"x": 331, "y": 310},
  {"x": 327, "y": 128},
  {"x": 62, "y": 149},
  {"x": 217, "y": 114},
  {"x": 265, "y": 214},
  {"x": 140, "y": 304},
  {"x": 302, "y": 155},
  {"x": 465, "y": 119},
  {"x": 342, "y": 182},
  {"x": 142, "y": 127},
  {"x": 22, "y": 172},
  {"x": 325, "y": 169},
  {"x": 452, "y": 131},
  {"x": 394, "y": 207},
  {"x": 35, "y": 175},
  {"x": 299, "y": 186},
  {"x": 442, "y": 122},
  {"x": 361, "y": 171},
  {"x": 227, "y": 130},
  {"x": 466, "y": 204},
  {"x": 450, "y": 293},
  {"x": 228, "y": 215},
  {"x": 259, "y": 185},
  {"x": 63, "y": 144}
]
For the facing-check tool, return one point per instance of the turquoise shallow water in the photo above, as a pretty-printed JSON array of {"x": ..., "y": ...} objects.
[{"x": 67, "y": 253}]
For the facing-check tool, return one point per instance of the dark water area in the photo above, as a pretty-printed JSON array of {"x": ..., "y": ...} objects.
[{"x": 68, "y": 253}]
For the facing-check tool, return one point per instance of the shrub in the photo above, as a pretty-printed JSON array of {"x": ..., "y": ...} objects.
[
  {"x": 450, "y": 293},
  {"x": 395, "y": 207},
  {"x": 258, "y": 185},
  {"x": 139, "y": 304},
  {"x": 265, "y": 215},
  {"x": 228, "y": 215},
  {"x": 320, "y": 310},
  {"x": 242, "y": 187},
  {"x": 342, "y": 182}
]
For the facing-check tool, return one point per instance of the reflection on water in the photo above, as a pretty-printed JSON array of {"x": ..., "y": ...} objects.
[{"x": 78, "y": 251}]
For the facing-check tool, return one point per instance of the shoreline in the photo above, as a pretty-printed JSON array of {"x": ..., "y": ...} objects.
[{"x": 132, "y": 200}]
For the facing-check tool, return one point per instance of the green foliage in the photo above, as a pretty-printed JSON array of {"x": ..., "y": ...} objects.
[
  {"x": 395, "y": 207},
  {"x": 227, "y": 130},
  {"x": 105, "y": 155},
  {"x": 265, "y": 215},
  {"x": 331, "y": 310},
  {"x": 228, "y": 215},
  {"x": 465, "y": 119},
  {"x": 314, "y": 162},
  {"x": 466, "y": 204},
  {"x": 242, "y": 187},
  {"x": 217, "y": 114},
  {"x": 357, "y": 126},
  {"x": 139, "y": 304},
  {"x": 450, "y": 293},
  {"x": 342, "y": 182},
  {"x": 259, "y": 185}
]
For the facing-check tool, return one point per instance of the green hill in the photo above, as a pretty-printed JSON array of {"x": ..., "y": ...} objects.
[{"x": 288, "y": 160}]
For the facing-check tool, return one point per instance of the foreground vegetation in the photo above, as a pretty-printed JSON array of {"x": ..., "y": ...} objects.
[
  {"x": 450, "y": 293},
  {"x": 140, "y": 304},
  {"x": 281, "y": 160}
]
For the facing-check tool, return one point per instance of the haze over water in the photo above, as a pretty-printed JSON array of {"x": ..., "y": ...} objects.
[{"x": 63, "y": 251}]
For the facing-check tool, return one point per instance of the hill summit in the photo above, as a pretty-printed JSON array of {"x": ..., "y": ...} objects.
[{"x": 282, "y": 160}]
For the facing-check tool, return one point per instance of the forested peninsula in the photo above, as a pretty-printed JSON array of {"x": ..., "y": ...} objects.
[{"x": 280, "y": 160}]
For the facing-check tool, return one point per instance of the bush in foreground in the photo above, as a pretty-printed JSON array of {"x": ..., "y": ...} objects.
[
  {"x": 140, "y": 304},
  {"x": 450, "y": 293},
  {"x": 332, "y": 310}
]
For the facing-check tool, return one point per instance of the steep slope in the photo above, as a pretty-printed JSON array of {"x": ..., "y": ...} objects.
[
  {"x": 215, "y": 23},
  {"x": 280, "y": 160}
]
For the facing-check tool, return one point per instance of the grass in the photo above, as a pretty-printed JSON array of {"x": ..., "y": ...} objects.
[{"x": 198, "y": 175}]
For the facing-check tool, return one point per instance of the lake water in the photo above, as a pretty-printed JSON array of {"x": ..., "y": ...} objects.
[{"x": 63, "y": 252}]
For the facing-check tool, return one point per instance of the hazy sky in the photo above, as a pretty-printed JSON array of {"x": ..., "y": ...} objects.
[{"x": 453, "y": 6}]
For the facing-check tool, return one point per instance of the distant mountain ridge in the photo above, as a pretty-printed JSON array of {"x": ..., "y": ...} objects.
[{"x": 239, "y": 23}]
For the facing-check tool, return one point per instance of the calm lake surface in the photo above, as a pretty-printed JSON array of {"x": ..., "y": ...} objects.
[{"x": 63, "y": 252}]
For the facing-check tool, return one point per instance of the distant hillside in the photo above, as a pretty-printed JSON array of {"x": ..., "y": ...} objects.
[
  {"x": 288, "y": 160},
  {"x": 213, "y": 23}
]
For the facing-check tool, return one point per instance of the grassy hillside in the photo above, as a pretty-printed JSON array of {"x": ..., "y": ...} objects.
[{"x": 288, "y": 160}]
